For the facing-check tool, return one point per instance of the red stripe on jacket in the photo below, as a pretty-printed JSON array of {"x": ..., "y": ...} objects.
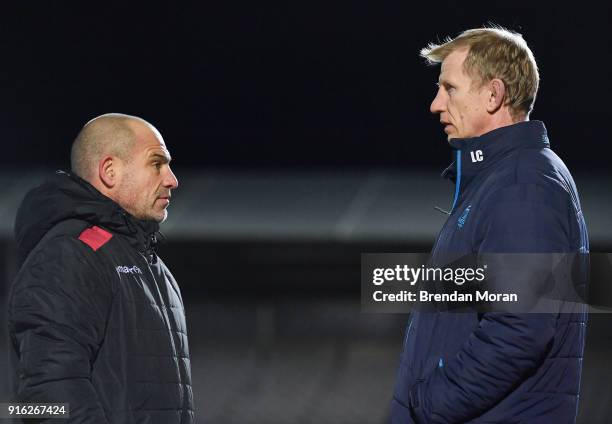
[{"x": 95, "y": 237}]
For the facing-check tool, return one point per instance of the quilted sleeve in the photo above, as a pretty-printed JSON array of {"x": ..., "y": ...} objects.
[{"x": 57, "y": 314}]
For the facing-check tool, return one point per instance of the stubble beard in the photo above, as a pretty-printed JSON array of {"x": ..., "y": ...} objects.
[{"x": 140, "y": 208}]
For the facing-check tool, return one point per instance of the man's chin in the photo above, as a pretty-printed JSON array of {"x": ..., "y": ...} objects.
[
  {"x": 162, "y": 217},
  {"x": 158, "y": 217}
]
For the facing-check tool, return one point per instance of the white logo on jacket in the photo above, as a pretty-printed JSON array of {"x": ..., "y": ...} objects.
[
  {"x": 128, "y": 269},
  {"x": 477, "y": 156}
]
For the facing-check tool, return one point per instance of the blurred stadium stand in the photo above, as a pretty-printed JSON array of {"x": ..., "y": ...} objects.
[{"x": 269, "y": 268}]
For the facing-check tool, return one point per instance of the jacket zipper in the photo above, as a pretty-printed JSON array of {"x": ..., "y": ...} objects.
[{"x": 455, "y": 200}]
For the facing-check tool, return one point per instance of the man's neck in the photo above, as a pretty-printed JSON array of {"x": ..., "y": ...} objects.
[{"x": 502, "y": 118}]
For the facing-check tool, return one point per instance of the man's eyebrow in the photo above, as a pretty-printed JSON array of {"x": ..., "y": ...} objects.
[
  {"x": 163, "y": 158},
  {"x": 444, "y": 82}
]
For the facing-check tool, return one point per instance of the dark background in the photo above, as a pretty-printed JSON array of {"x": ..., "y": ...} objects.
[
  {"x": 280, "y": 88},
  {"x": 269, "y": 85}
]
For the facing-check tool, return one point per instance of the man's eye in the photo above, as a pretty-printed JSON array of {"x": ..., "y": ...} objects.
[{"x": 157, "y": 165}]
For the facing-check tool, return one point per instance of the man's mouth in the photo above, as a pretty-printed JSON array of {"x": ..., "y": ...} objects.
[{"x": 164, "y": 199}]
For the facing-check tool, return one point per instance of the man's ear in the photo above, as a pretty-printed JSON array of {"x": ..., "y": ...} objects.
[
  {"x": 497, "y": 94},
  {"x": 107, "y": 171}
]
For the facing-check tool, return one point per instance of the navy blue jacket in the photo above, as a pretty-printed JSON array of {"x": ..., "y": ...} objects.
[{"x": 513, "y": 195}]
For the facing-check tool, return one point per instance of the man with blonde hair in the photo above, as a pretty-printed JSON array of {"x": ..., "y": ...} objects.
[{"x": 512, "y": 195}]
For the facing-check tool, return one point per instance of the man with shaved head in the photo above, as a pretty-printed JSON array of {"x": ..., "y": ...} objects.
[{"x": 96, "y": 319}]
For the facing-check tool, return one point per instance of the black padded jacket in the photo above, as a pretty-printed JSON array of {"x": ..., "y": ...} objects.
[{"x": 96, "y": 319}]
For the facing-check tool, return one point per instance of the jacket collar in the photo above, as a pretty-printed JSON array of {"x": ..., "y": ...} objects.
[
  {"x": 478, "y": 153},
  {"x": 142, "y": 235},
  {"x": 66, "y": 196},
  {"x": 139, "y": 232}
]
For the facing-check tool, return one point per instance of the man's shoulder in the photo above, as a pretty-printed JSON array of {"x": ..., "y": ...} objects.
[
  {"x": 540, "y": 169},
  {"x": 540, "y": 166},
  {"x": 73, "y": 242}
]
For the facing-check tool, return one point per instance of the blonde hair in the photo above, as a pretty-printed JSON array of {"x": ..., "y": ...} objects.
[{"x": 495, "y": 52}]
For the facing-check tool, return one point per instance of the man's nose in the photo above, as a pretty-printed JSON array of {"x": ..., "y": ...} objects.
[
  {"x": 170, "y": 180},
  {"x": 437, "y": 104}
]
